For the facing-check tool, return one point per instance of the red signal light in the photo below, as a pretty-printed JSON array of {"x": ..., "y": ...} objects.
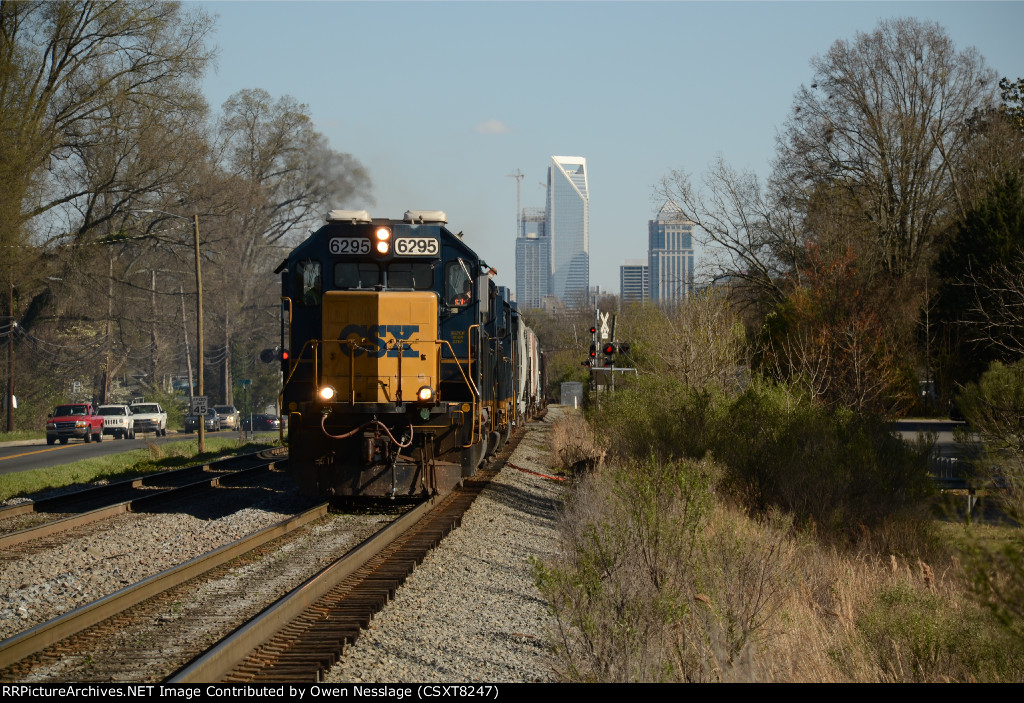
[
  {"x": 284, "y": 355},
  {"x": 609, "y": 348}
]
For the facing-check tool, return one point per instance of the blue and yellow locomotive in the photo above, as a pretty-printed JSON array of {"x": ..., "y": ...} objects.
[{"x": 406, "y": 365}]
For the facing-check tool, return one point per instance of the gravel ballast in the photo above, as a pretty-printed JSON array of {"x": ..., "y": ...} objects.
[
  {"x": 471, "y": 612},
  {"x": 104, "y": 557}
]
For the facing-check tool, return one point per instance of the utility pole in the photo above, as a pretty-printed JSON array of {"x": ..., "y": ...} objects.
[
  {"x": 10, "y": 353},
  {"x": 199, "y": 331}
]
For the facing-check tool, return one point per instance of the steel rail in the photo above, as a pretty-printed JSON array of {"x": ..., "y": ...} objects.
[
  {"x": 134, "y": 505},
  {"x": 29, "y": 642},
  {"x": 54, "y": 503},
  {"x": 220, "y": 660}
]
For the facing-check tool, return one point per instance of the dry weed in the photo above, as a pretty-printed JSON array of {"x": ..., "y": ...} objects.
[
  {"x": 155, "y": 452},
  {"x": 575, "y": 445}
]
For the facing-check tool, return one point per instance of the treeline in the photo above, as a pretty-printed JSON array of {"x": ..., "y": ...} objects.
[
  {"x": 880, "y": 264},
  {"x": 108, "y": 151}
]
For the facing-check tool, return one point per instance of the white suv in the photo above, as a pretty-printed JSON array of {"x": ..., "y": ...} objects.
[{"x": 118, "y": 421}]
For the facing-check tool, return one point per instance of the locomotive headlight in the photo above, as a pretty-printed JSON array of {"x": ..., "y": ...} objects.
[
  {"x": 382, "y": 247},
  {"x": 383, "y": 234},
  {"x": 425, "y": 394},
  {"x": 327, "y": 393}
]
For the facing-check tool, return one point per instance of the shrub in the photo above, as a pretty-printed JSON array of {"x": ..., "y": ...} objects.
[
  {"x": 656, "y": 583},
  {"x": 994, "y": 409},
  {"x": 917, "y": 635},
  {"x": 833, "y": 467},
  {"x": 779, "y": 449},
  {"x": 661, "y": 417},
  {"x": 575, "y": 444}
]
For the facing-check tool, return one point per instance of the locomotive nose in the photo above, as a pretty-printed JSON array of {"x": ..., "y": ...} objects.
[{"x": 380, "y": 347}]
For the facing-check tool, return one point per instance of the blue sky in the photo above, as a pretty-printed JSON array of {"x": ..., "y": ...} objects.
[{"x": 441, "y": 101}]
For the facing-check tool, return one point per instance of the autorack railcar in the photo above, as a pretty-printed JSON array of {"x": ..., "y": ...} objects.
[{"x": 406, "y": 365}]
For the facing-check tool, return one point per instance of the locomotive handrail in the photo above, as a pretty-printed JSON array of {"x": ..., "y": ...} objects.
[
  {"x": 472, "y": 387},
  {"x": 285, "y": 344},
  {"x": 469, "y": 361}
]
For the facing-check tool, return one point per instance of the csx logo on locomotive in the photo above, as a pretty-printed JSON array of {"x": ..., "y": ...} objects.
[{"x": 379, "y": 340}]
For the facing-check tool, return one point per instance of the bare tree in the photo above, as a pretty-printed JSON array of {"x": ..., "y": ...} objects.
[
  {"x": 74, "y": 78},
  {"x": 886, "y": 122},
  {"x": 700, "y": 341},
  {"x": 273, "y": 176},
  {"x": 748, "y": 237},
  {"x": 871, "y": 156}
]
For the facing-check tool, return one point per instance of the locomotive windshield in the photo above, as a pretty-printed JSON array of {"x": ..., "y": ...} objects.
[
  {"x": 400, "y": 274},
  {"x": 418, "y": 276},
  {"x": 356, "y": 274}
]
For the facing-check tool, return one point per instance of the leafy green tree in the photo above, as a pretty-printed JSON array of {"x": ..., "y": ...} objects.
[
  {"x": 975, "y": 269},
  {"x": 994, "y": 409},
  {"x": 1012, "y": 93}
]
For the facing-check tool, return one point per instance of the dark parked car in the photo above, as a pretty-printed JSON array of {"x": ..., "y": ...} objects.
[
  {"x": 262, "y": 423},
  {"x": 212, "y": 421}
]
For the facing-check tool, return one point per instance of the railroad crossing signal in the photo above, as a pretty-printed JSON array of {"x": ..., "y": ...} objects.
[{"x": 273, "y": 354}]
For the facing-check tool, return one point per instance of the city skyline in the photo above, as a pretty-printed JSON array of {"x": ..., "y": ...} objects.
[{"x": 441, "y": 128}]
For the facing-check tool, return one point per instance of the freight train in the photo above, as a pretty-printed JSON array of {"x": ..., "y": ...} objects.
[{"x": 405, "y": 366}]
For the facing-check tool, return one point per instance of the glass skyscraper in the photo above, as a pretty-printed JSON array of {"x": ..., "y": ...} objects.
[
  {"x": 533, "y": 259},
  {"x": 568, "y": 222},
  {"x": 634, "y": 283},
  {"x": 670, "y": 255}
]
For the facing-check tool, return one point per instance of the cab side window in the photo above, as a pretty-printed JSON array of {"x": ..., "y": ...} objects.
[
  {"x": 309, "y": 281},
  {"x": 458, "y": 286}
]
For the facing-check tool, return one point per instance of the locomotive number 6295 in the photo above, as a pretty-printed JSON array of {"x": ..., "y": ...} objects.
[
  {"x": 416, "y": 246},
  {"x": 349, "y": 245}
]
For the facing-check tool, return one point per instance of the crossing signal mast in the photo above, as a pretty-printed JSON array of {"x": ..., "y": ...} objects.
[{"x": 603, "y": 352}]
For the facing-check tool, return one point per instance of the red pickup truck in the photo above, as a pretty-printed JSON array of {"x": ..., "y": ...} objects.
[{"x": 74, "y": 420}]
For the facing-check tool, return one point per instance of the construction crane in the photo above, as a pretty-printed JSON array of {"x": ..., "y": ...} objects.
[{"x": 519, "y": 176}]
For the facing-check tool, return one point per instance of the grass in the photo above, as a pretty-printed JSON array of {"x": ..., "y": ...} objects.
[
  {"x": 120, "y": 466},
  {"x": 21, "y": 435}
]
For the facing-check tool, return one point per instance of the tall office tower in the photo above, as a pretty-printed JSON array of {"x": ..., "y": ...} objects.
[
  {"x": 568, "y": 221},
  {"x": 634, "y": 283},
  {"x": 670, "y": 255},
  {"x": 533, "y": 259}
]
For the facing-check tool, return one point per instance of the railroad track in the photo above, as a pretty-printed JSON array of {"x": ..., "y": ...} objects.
[
  {"x": 147, "y": 630},
  {"x": 43, "y": 518},
  {"x": 304, "y": 634},
  {"x": 133, "y": 635}
]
